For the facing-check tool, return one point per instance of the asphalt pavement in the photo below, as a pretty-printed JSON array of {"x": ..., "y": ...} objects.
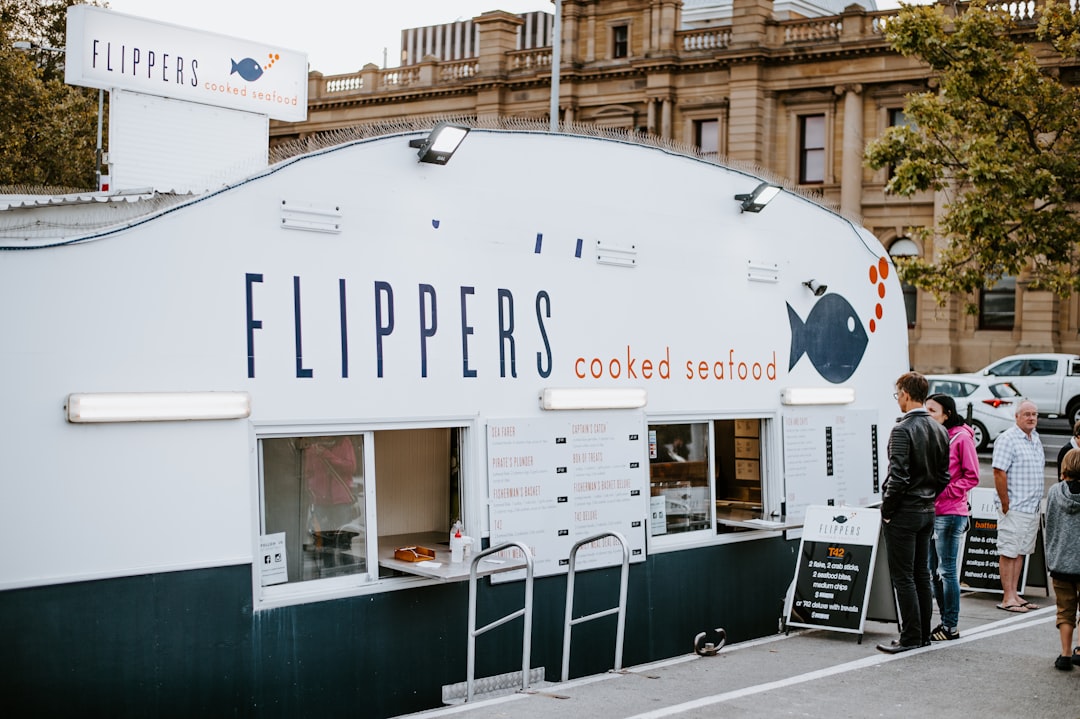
[{"x": 1002, "y": 666}]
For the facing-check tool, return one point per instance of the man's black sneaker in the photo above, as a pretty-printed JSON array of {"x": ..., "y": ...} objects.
[
  {"x": 943, "y": 634},
  {"x": 1064, "y": 664}
]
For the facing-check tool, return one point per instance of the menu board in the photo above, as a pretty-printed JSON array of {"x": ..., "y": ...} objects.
[
  {"x": 553, "y": 481},
  {"x": 979, "y": 567},
  {"x": 830, "y": 457},
  {"x": 834, "y": 569}
]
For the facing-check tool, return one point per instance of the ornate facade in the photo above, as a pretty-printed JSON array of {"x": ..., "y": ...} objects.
[{"x": 797, "y": 97}]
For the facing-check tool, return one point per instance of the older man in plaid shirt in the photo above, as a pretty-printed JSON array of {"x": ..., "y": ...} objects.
[{"x": 1018, "y": 477}]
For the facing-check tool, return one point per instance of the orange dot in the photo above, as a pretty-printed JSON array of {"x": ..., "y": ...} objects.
[
  {"x": 873, "y": 326},
  {"x": 883, "y": 268},
  {"x": 878, "y": 311},
  {"x": 873, "y": 274},
  {"x": 881, "y": 289}
]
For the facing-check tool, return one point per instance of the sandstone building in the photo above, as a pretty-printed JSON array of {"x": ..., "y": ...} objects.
[{"x": 783, "y": 87}]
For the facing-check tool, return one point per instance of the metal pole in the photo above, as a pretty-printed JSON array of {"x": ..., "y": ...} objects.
[
  {"x": 556, "y": 61},
  {"x": 100, "y": 110}
]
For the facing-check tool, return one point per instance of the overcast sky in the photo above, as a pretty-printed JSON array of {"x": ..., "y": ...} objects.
[{"x": 338, "y": 36}]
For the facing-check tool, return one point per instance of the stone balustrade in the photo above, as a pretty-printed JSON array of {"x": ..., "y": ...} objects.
[
  {"x": 713, "y": 38},
  {"x": 535, "y": 59},
  {"x": 814, "y": 30},
  {"x": 854, "y": 26}
]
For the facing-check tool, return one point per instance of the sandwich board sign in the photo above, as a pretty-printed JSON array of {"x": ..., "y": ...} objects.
[
  {"x": 837, "y": 565},
  {"x": 979, "y": 564}
]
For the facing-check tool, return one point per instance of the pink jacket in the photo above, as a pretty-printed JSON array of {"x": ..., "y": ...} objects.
[{"x": 963, "y": 472}]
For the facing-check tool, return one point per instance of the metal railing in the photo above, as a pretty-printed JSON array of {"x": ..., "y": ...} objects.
[
  {"x": 621, "y": 608},
  {"x": 525, "y": 612}
]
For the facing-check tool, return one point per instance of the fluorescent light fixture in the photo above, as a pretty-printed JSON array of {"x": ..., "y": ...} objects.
[
  {"x": 762, "y": 195},
  {"x": 817, "y": 395},
  {"x": 157, "y": 406},
  {"x": 441, "y": 143},
  {"x": 594, "y": 398},
  {"x": 816, "y": 287}
]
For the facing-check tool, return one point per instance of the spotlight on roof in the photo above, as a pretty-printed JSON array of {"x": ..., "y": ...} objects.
[
  {"x": 441, "y": 143},
  {"x": 761, "y": 196}
]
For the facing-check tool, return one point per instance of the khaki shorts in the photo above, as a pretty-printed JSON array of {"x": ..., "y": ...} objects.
[
  {"x": 1016, "y": 533},
  {"x": 1067, "y": 601}
]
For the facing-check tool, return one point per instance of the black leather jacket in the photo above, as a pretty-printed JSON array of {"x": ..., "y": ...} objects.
[{"x": 918, "y": 464}]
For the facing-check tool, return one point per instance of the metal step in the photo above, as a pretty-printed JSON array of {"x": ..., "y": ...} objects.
[{"x": 488, "y": 687}]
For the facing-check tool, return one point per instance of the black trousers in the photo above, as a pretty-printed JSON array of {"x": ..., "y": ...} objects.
[{"x": 907, "y": 544}]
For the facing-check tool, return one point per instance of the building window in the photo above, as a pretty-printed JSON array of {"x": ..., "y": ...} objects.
[
  {"x": 904, "y": 247},
  {"x": 997, "y": 305},
  {"x": 702, "y": 472},
  {"x": 707, "y": 137},
  {"x": 319, "y": 493},
  {"x": 811, "y": 149},
  {"x": 620, "y": 41},
  {"x": 897, "y": 118}
]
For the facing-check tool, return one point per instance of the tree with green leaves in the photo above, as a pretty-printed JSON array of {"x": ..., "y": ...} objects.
[
  {"x": 998, "y": 136},
  {"x": 48, "y": 130}
]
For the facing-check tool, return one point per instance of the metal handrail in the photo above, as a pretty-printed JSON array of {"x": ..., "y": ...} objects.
[
  {"x": 621, "y": 608},
  {"x": 525, "y": 612}
]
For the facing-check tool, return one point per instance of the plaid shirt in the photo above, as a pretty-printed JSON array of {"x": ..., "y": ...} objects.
[{"x": 1022, "y": 460}]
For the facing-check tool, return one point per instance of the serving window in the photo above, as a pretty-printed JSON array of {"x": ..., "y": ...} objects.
[
  {"x": 706, "y": 477},
  {"x": 335, "y": 503},
  {"x": 314, "y": 492}
]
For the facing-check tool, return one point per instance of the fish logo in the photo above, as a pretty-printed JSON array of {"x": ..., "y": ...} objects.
[
  {"x": 250, "y": 69},
  {"x": 247, "y": 69},
  {"x": 839, "y": 519},
  {"x": 832, "y": 337}
]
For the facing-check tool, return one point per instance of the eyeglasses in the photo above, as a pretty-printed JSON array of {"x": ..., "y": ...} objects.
[{"x": 896, "y": 395}]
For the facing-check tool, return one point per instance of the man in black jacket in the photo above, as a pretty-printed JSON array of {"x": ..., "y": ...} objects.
[{"x": 918, "y": 471}]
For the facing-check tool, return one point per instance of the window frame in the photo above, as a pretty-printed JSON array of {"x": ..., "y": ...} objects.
[
  {"x": 800, "y": 105},
  {"x": 908, "y": 291},
  {"x": 472, "y": 497},
  {"x": 772, "y": 487},
  {"x": 617, "y": 43},
  {"x": 699, "y": 126},
  {"x": 891, "y": 115},
  {"x": 994, "y": 292},
  {"x": 804, "y": 150}
]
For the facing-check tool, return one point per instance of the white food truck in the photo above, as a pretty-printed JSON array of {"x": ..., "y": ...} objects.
[{"x": 230, "y": 417}]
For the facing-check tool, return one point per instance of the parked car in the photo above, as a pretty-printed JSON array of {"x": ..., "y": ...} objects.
[
  {"x": 1051, "y": 381},
  {"x": 988, "y": 404}
]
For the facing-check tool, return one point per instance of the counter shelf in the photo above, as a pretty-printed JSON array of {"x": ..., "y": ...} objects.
[{"x": 441, "y": 568}]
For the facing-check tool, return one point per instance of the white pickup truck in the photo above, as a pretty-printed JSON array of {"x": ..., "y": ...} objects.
[{"x": 1052, "y": 381}]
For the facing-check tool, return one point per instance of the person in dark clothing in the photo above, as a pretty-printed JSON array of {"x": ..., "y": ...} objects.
[
  {"x": 918, "y": 471},
  {"x": 1063, "y": 554},
  {"x": 1073, "y": 443}
]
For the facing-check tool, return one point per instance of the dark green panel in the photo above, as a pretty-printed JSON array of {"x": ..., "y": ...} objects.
[
  {"x": 187, "y": 644},
  {"x": 172, "y": 644}
]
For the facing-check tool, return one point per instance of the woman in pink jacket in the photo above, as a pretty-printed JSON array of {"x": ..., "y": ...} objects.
[{"x": 951, "y": 514}]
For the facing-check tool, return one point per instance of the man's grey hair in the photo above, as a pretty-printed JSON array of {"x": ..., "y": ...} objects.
[{"x": 1020, "y": 406}]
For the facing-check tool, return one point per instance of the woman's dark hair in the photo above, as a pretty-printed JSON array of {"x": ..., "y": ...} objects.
[{"x": 952, "y": 418}]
